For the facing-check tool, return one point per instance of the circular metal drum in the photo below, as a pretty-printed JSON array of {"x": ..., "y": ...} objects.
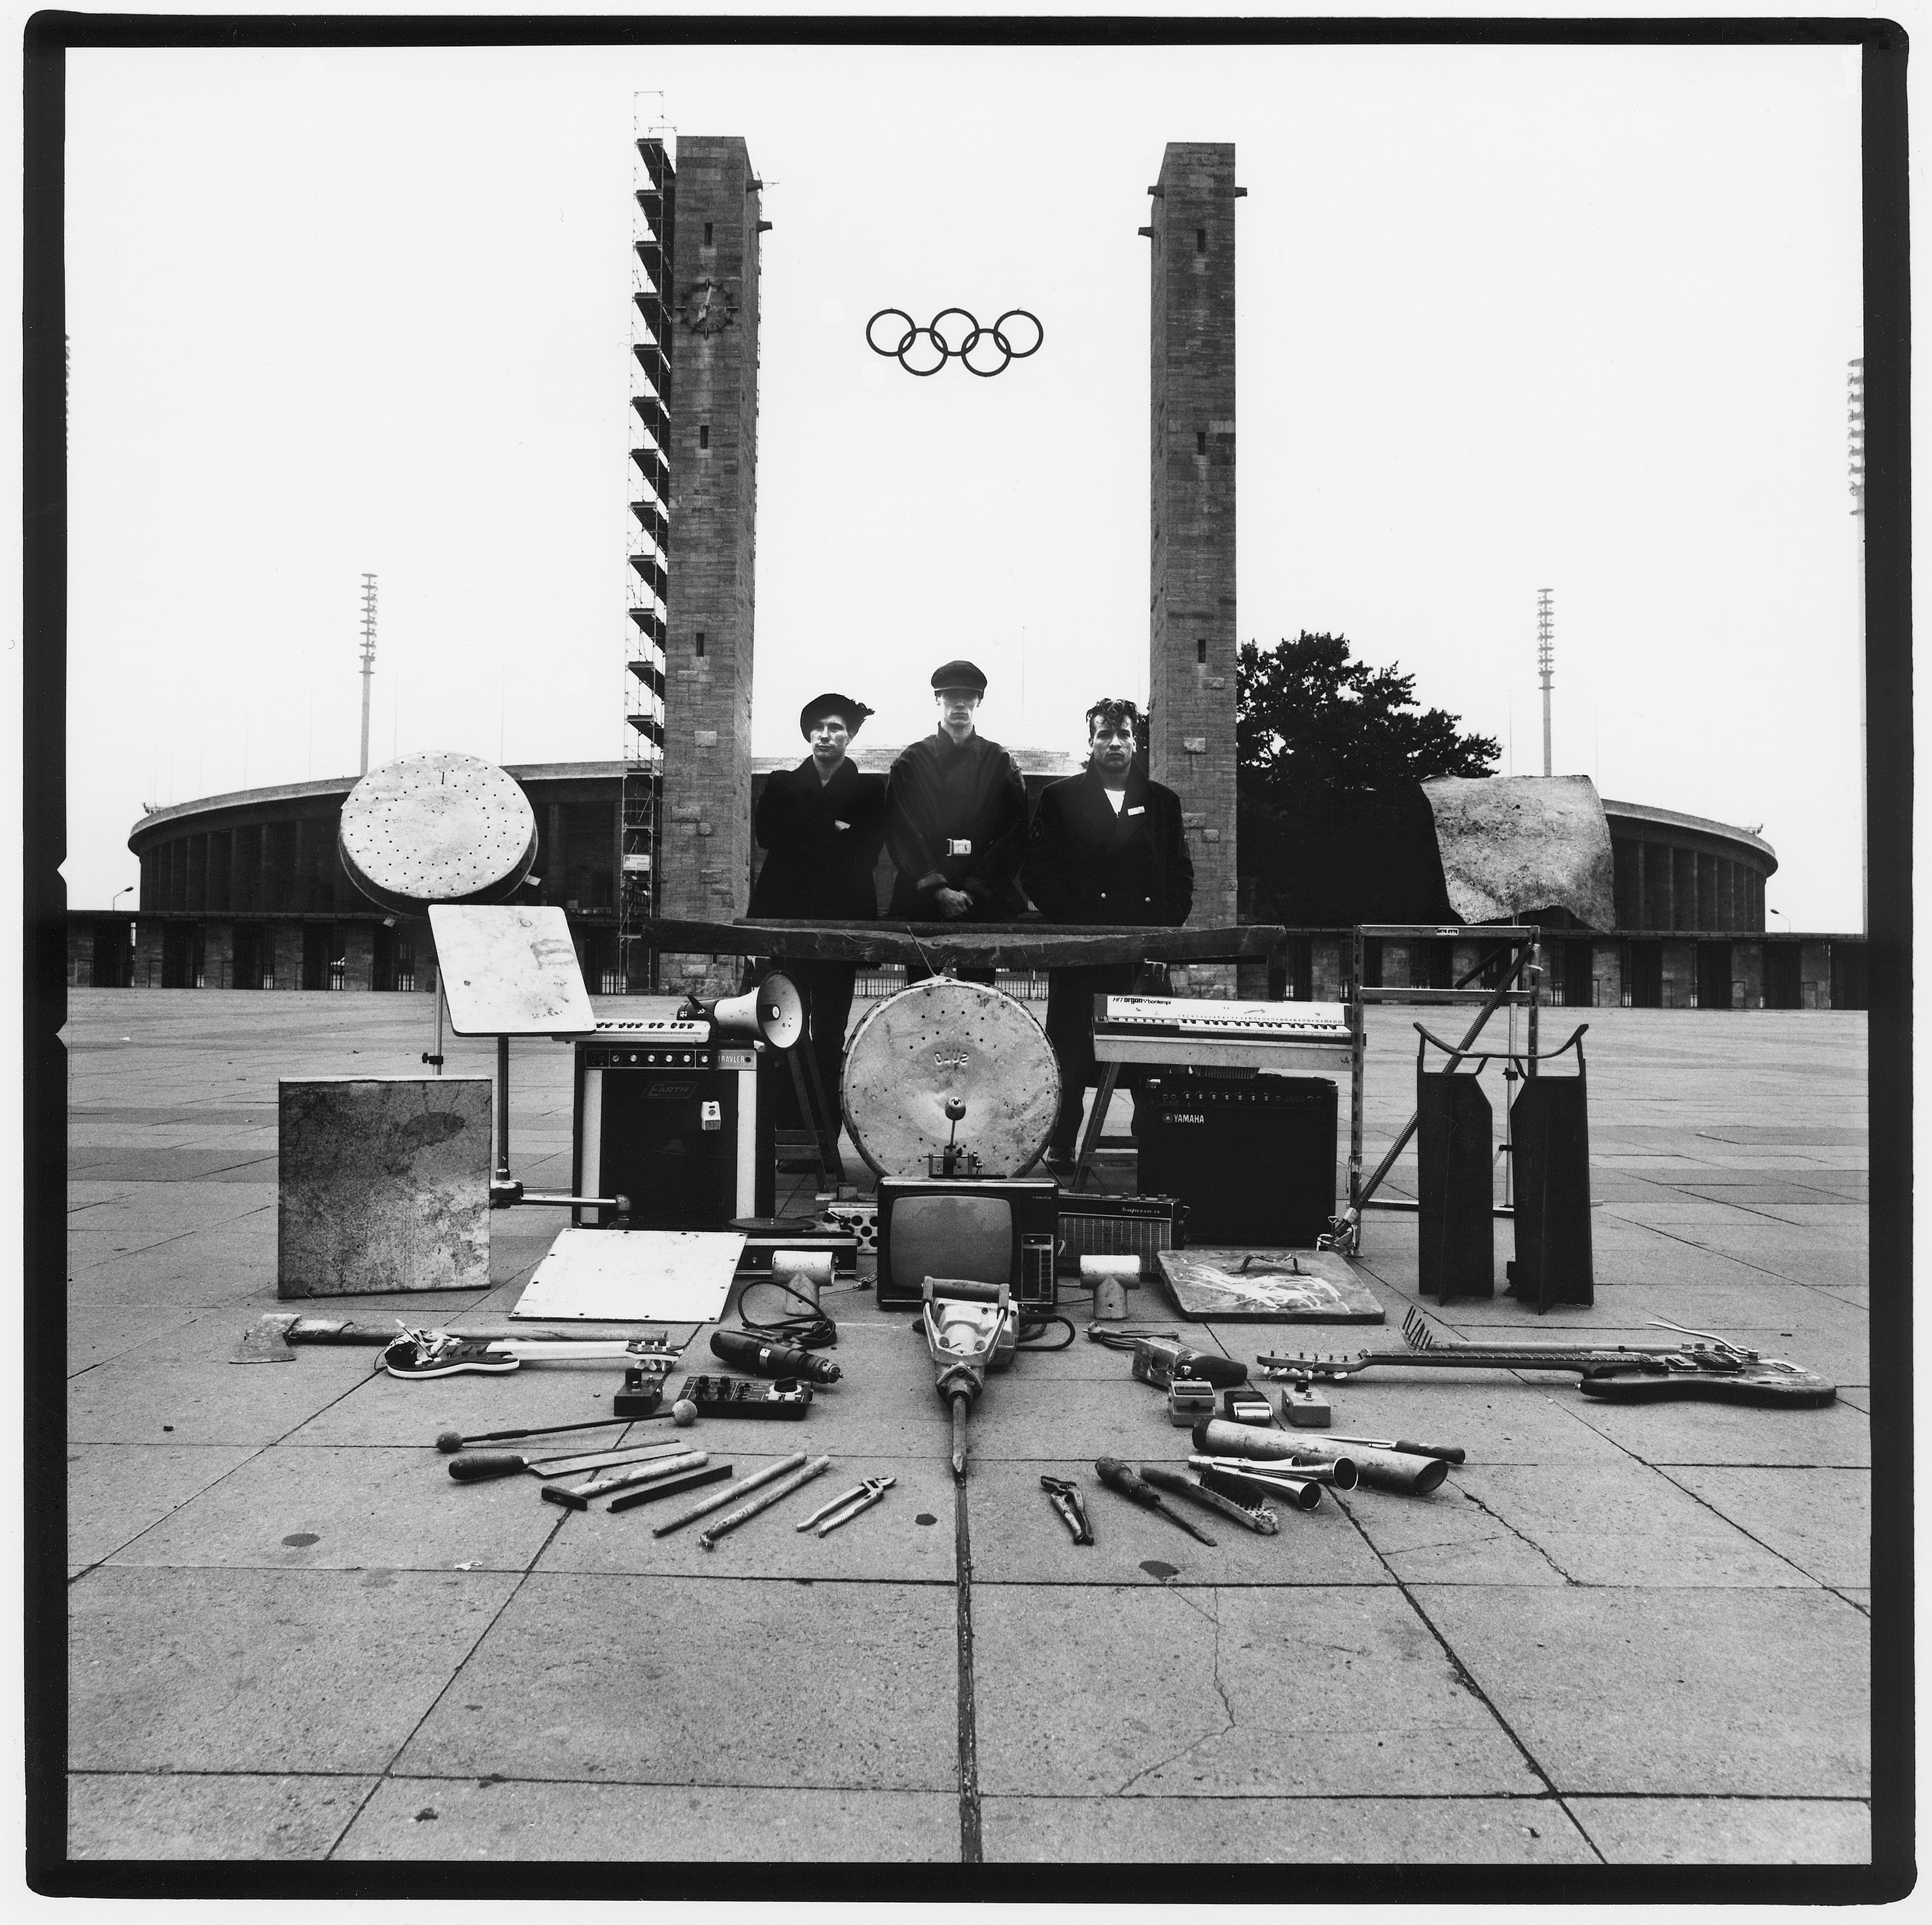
[
  {"x": 437, "y": 828},
  {"x": 939, "y": 1040}
]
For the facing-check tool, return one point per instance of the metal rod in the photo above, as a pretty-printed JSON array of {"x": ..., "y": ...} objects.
[
  {"x": 763, "y": 1501},
  {"x": 705, "y": 1507}
]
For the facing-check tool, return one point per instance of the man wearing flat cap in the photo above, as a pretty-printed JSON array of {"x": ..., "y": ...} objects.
[
  {"x": 821, "y": 825},
  {"x": 955, "y": 818},
  {"x": 1107, "y": 847}
]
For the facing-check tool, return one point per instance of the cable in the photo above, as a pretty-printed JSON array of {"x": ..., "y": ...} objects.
[
  {"x": 815, "y": 1331},
  {"x": 1029, "y": 1325}
]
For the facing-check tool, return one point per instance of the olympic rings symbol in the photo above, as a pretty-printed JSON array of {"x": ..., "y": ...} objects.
[{"x": 945, "y": 350}]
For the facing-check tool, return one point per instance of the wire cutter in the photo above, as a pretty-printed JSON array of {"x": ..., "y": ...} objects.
[
  {"x": 1065, "y": 1496},
  {"x": 847, "y": 1504}
]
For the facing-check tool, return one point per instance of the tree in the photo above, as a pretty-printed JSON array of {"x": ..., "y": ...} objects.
[{"x": 1333, "y": 829}]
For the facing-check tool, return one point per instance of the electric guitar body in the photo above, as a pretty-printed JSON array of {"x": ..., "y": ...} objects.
[{"x": 1767, "y": 1382}]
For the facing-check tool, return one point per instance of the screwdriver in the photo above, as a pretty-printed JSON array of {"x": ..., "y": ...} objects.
[{"x": 1118, "y": 1476}]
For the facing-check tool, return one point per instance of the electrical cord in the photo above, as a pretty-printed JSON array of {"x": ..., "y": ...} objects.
[
  {"x": 812, "y": 1331},
  {"x": 1031, "y": 1325}
]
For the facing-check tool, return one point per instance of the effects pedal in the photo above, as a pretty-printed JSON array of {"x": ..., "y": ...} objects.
[
  {"x": 741, "y": 1396},
  {"x": 643, "y": 1391}
]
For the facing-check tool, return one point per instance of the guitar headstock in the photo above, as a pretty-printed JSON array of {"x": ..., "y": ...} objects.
[{"x": 1318, "y": 1366}]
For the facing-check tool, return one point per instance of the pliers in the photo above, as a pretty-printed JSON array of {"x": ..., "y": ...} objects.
[
  {"x": 1065, "y": 1496},
  {"x": 847, "y": 1504}
]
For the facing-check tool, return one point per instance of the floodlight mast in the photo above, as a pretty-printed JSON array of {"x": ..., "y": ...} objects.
[
  {"x": 1546, "y": 661},
  {"x": 368, "y": 658}
]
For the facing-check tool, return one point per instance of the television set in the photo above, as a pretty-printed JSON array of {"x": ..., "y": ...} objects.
[{"x": 985, "y": 1229}]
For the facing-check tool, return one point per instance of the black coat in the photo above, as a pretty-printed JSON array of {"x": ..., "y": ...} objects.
[
  {"x": 939, "y": 792},
  {"x": 814, "y": 867},
  {"x": 1085, "y": 864}
]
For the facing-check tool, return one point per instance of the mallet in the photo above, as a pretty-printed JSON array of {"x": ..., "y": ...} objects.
[{"x": 447, "y": 1441}]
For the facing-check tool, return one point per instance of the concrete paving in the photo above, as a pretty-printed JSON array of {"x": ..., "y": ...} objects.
[{"x": 1617, "y": 1636}]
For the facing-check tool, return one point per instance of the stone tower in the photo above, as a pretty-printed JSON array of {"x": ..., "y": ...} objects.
[
  {"x": 705, "y": 852},
  {"x": 1192, "y": 640}
]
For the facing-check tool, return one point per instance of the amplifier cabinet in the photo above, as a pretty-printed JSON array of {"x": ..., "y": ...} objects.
[
  {"x": 1092, "y": 1224},
  {"x": 1253, "y": 1160},
  {"x": 683, "y": 1132}
]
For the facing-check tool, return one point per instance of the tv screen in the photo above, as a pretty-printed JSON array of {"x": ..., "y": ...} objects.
[{"x": 969, "y": 1237}]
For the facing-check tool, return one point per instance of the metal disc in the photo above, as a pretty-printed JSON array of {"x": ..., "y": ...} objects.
[
  {"x": 437, "y": 828},
  {"x": 939, "y": 1039}
]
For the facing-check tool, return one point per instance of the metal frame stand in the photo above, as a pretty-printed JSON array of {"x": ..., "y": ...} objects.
[
  {"x": 1148, "y": 978},
  {"x": 1521, "y": 983}
]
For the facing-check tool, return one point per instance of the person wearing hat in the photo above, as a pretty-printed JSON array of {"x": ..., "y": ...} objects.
[
  {"x": 955, "y": 819},
  {"x": 821, "y": 826},
  {"x": 1107, "y": 847}
]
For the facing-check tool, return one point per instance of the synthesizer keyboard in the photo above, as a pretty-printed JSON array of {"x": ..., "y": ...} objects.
[{"x": 1181, "y": 1032}]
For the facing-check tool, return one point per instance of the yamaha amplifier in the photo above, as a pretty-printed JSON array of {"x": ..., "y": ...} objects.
[
  {"x": 679, "y": 1122},
  {"x": 1252, "y": 1158}
]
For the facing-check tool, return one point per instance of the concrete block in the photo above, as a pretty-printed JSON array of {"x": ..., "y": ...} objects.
[
  {"x": 1314, "y": 1830},
  {"x": 1745, "y": 1693},
  {"x": 654, "y": 1680},
  {"x": 264, "y": 1671},
  {"x": 1727, "y": 1831},
  {"x": 132, "y": 1814},
  {"x": 1376, "y": 1707},
  {"x": 522, "y": 1820},
  {"x": 384, "y": 1184}
]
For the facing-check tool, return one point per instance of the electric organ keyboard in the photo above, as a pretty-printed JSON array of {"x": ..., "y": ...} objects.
[{"x": 1285, "y": 1038}]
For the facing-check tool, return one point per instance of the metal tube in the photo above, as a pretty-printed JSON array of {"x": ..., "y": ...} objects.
[
  {"x": 708, "y": 1505},
  {"x": 1303, "y": 1492},
  {"x": 763, "y": 1501},
  {"x": 1383, "y": 1469}
]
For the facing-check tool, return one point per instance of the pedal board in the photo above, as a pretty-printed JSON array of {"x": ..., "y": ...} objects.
[{"x": 743, "y": 1397}]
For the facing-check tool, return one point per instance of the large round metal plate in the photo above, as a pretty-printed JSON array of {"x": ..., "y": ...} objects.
[
  {"x": 939, "y": 1039},
  {"x": 437, "y": 828}
]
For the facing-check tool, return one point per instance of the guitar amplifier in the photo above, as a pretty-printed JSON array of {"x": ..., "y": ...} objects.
[
  {"x": 680, "y": 1124},
  {"x": 1253, "y": 1160},
  {"x": 1097, "y": 1226}
]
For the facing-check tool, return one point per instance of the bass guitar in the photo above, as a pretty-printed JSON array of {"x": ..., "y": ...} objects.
[{"x": 1715, "y": 1369}]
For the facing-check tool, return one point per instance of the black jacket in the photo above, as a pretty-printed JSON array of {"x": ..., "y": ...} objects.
[
  {"x": 940, "y": 792},
  {"x": 813, "y": 867},
  {"x": 1085, "y": 864}
]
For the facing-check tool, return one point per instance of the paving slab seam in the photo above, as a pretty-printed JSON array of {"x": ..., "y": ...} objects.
[
  {"x": 1470, "y": 1497},
  {"x": 1845, "y": 1597},
  {"x": 161, "y": 1242},
  {"x": 89, "y": 1569},
  {"x": 1710, "y": 1250},
  {"x": 1467, "y": 1680},
  {"x": 495, "y": 1618},
  {"x": 971, "y": 1848}
]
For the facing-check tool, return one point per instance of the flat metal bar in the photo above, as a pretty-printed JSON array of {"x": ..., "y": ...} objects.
[{"x": 1026, "y": 945}]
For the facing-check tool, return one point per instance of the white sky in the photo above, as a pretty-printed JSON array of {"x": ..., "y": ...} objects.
[{"x": 1509, "y": 318}]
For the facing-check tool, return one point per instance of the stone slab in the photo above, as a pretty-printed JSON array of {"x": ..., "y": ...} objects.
[
  {"x": 643, "y": 1680},
  {"x": 1447, "y": 1537},
  {"x": 384, "y": 1184},
  {"x": 1341, "y": 1691},
  {"x": 1670, "y": 1434},
  {"x": 351, "y": 1508},
  {"x": 886, "y": 1543},
  {"x": 181, "y": 1389},
  {"x": 1819, "y": 1519},
  {"x": 1624, "y": 1524},
  {"x": 116, "y": 1491},
  {"x": 1018, "y": 1537},
  {"x": 1312, "y": 1831},
  {"x": 1742, "y": 1693},
  {"x": 208, "y": 1815},
  {"x": 523, "y": 1819},
  {"x": 1727, "y": 1831},
  {"x": 278, "y": 1671}
]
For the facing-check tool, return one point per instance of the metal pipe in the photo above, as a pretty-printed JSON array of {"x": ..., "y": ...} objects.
[
  {"x": 707, "y": 1506},
  {"x": 1303, "y": 1492},
  {"x": 1383, "y": 1469},
  {"x": 763, "y": 1501}
]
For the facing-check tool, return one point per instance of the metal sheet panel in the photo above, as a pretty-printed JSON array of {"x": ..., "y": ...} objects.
[
  {"x": 1513, "y": 843},
  {"x": 633, "y": 1276},
  {"x": 510, "y": 971},
  {"x": 442, "y": 827}
]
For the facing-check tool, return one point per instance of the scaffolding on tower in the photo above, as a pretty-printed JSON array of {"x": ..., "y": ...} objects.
[
  {"x": 1546, "y": 660},
  {"x": 647, "y": 577}
]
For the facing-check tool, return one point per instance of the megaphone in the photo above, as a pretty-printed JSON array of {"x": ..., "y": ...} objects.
[{"x": 773, "y": 1010}]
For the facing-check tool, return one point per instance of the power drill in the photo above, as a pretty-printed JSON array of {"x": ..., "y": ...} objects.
[
  {"x": 763, "y": 1360},
  {"x": 1159, "y": 1360}
]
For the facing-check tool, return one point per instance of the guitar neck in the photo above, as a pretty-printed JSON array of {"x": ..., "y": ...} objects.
[{"x": 1496, "y": 1356}]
